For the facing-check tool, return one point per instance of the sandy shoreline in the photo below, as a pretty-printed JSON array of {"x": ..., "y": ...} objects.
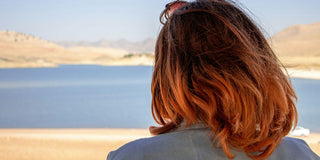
[
  {"x": 64, "y": 144},
  {"x": 77, "y": 144}
]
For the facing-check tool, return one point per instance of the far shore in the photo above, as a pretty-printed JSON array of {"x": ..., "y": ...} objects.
[
  {"x": 78, "y": 144},
  {"x": 293, "y": 72},
  {"x": 304, "y": 73}
]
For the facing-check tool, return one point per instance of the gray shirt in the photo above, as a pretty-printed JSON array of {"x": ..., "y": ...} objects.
[{"x": 193, "y": 143}]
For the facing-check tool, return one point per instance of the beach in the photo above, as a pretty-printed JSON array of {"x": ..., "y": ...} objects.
[
  {"x": 63, "y": 144},
  {"x": 78, "y": 144}
]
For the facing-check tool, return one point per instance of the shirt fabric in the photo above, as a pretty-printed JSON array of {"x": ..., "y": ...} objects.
[{"x": 193, "y": 143}]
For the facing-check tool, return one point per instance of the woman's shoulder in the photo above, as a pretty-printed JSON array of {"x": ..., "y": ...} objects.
[
  {"x": 183, "y": 144},
  {"x": 293, "y": 149},
  {"x": 151, "y": 146},
  {"x": 132, "y": 150}
]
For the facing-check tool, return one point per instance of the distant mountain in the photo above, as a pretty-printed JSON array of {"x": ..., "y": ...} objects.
[
  {"x": 12, "y": 38},
  {"x": 298, "y": 46},
  {"x": 145, "y": 46},
  {"x": 298, "y": 40},
  {"x": 22, "y": 50}
]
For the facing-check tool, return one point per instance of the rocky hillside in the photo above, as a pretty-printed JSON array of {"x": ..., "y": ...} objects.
[
  {"x": 299, "y": 40},
  {"x": 298, "y": 46}
]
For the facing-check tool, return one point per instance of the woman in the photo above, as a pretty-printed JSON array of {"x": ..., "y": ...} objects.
[{"x": 218, "y": 90}]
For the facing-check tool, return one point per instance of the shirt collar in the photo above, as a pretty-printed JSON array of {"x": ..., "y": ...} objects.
[{"x": 182, "y": 126}]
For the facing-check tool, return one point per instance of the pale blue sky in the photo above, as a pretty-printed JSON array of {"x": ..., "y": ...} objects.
[{"x": 91, "y": 20}]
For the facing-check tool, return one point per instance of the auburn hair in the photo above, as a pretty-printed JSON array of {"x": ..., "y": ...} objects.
[{"x": 214, "y": 66}]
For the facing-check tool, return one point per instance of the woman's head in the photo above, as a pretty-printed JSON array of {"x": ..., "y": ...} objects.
[{"x": 214, "y": 66}]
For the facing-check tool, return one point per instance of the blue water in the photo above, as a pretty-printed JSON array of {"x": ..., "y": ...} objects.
[{"x": 74, "y": 96}]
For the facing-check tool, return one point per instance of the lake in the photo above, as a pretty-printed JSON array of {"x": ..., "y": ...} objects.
[{"x": 87, "y": 96}]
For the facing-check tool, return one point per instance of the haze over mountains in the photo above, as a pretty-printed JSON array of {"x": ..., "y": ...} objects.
[
  {"x": 297, "y": 46},
  {"x": 146, "y": 46}
]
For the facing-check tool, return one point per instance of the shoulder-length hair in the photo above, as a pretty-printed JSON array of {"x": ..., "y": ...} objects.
[{"x": 214, "y": 66}]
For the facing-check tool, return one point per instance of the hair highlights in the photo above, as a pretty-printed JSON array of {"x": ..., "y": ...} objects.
[{"x": 214, "y": 66}]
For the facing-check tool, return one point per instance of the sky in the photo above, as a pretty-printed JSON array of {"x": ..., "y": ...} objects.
[{"x": 133, "y": 20}]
